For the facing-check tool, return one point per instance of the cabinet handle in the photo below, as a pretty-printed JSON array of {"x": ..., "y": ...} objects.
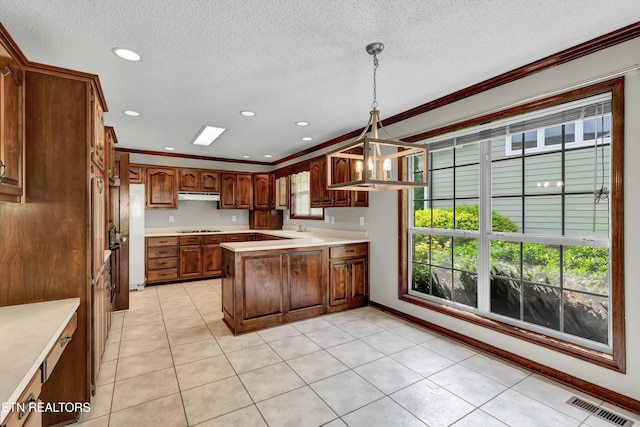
[
  {"x": 162, "y": 241},
  {"x": 162, "y": 275},
  {"x": 162, "y": 252},
  {"x": 162, "y": 263},
  {"x": 64, "y": 341},
  {"x": 25, "y": 406},
  {"x": 348, "y": 251}
]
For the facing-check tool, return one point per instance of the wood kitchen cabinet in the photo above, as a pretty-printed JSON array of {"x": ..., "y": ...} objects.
[
  {"x": 348, "y": 276},
  {"x": 137, "y": 174},
  {"x": 161, "y": 259},
  {"x": 161, "y": 188},
  {"x": 211, "y": 258},
  {"x": 236, "y": 191},
  {"x": 321, "y": 197},
  {"x": 199, "y": 180},
  {"x": 11, "y": 127},
  {"x": 265, "y": 219},
  {"x": 286, "y": 285},
  {"x": 190, "y": 261},
  {"x": 263, "y": 191},
  {"x": 111, "y": 141},
  {"x": 282, "y": 193}
]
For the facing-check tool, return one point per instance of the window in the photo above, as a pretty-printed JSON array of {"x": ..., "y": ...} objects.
[
  {"x": 527, "y": 239},
  {"x": 301, "y": 198}
]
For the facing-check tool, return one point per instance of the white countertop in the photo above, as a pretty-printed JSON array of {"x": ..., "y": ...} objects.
[
  {"x": 295, "y": 239},
  {"x": 27, "y": 333}
]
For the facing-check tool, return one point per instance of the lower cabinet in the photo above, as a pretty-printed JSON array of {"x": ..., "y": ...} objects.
[
  {"x": 348, "y": 276},
  {"x": 266, "y": 288},
  {"x": 190, "y": 261},
  {"x": 211, "y": 260},
  {"x": 162, "y": 259}
]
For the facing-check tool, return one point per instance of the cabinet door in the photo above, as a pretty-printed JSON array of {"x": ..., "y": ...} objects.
[
  {"x": 272, "y": 191},
  {"x": 282, "y": 193},
  {"x": 341, "y": 173},
  {"x": 11, "y": 128},
  {"x": 358, "y": 271},
  {"x": 210, "y": 181},
  {"x": 136, "y": 174},
  {"x": 211, "y": 260},
  {"x": 111, "y": 141},
  {"x": 190, "y": 261},
  {"x": 306, "y": 281},
  {"x": 228, "y": 191},
  {"x": 261, "y": 192},
  {"x": 359, "y": 199},
  {"x": 338, "y": 282},
  {"x": 189, "y": 180},
  {"x": 244, "y": 193},
  {"x": 162, "y": 188}
]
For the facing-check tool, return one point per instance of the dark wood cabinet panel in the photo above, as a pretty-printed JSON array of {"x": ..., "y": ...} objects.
[
  {"x": 265, "y": 219},
  {"x": 262, "y": 198},
  {"x": 263, "y": 294},
  {"x": 359, "y": 279},
  {"x": 210, "y": 181},
  {"x": 244, "y": 195},
  {"x": 162, "y": 188},
  {"x": 321, "y": 197},
  {"x": 341, "y": 173},
  {"x": 190, "y": 261},
  {"x": 189, "y": 180},
  {"x": 211, "y": 260},
  {"x": 11, "y": 128},
  {"x": 98, "y": 149},
  {"x": 228, "y": 191},
  {"x": 305, "y": 279},
  {"x": 348, "y": 276},
  {"x": 137, "y": 174},
  {"x": 343, "y": 170},
  {"x": 338, "y": 282}
]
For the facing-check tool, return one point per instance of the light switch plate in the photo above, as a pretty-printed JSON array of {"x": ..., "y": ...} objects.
[
  {"x": 170, "y": 218},
  {"x": 233, "y": 218},
  {"x": 361, "y": 220}
]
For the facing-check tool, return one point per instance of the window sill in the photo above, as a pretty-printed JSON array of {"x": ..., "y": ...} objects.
[{"x": 592, "y": 356}]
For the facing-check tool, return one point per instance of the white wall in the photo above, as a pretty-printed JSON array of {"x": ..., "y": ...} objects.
[{"x": 382, "y": 215}]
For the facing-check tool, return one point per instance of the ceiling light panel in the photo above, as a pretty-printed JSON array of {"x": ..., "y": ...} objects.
[
  {"x": 302, "y": 123},
  {"x": 127, "y": 54},
  {"x": 247, "y": 113},
  {"x": 207, "y": 135},
  {"x": 131, "y": 113}
]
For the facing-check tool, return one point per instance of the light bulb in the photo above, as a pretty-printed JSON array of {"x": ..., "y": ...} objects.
[
  {"x": 386, "y": 167},
  {"x": 359, "y": 169}
]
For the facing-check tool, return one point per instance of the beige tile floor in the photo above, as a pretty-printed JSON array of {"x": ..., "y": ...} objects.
[{"x": 170, "y": 361}]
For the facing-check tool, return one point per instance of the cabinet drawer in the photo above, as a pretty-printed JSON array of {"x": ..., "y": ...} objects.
[
  {"x": 162, "y": 241},
  {"x": 190, "y": 240},
  {"x": 30, "y": 394},
  {"x": 346, "y": 251},
  {"x": 234, "y": 237},
  {"x": 164, "y": 274},
  {"x": 211, "y": 240},
  {"x": 54, "y": 355},
  {"x": 162, "y": 263},
  {"x": 162, "y": 252}
]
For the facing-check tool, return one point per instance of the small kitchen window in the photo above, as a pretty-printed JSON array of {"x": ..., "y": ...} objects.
[{"x": 301, "y": 198}]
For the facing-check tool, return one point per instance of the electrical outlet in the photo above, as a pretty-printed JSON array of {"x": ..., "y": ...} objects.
[
  {"x": 327, "y": 219},
  {"x": 333, "y": 220},
  {"x": 233, "y": 218},
  {"x": 170, "y": 218},
  {"x": 361, "y": 220}
]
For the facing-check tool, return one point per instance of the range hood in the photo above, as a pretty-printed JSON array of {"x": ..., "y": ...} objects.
[{"x": 207, "y": 197}]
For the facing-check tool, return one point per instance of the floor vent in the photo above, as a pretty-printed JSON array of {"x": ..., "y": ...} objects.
[{"x": 600, "y": 412}]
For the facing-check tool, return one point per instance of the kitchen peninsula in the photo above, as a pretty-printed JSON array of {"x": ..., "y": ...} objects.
[{"x": 267, "y": 283}]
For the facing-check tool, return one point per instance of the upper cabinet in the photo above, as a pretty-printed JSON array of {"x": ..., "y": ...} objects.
[
  {"x": 263, "y": 191},
  {"x": 236, "y": 191},
  {"x": 199, "y": 180},
  {"x": 137, "y": 174},
  {"x": 11, "y": 128},
  {"x": 321, "y": 197},
  {"x": 282, "y": 193},
  {"x": 162, "y": 188},
  {"x": 111, "y": 141}
]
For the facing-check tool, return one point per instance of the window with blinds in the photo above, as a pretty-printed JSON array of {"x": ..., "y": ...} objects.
[{"x": 301, "y": 198}]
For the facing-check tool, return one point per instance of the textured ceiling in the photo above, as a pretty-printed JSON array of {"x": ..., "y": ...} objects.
[{"x": 204, "y": 61}]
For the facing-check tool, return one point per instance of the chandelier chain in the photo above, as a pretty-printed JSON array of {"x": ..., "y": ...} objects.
[{"x": 374, "y": 104}]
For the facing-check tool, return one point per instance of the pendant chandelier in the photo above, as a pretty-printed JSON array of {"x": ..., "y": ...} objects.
[{"x": 372, "y": 163}]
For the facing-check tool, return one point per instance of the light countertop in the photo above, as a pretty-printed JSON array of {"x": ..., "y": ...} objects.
[
  {"x": 294, "y": 239},
  {"x": 27, "y": 333}
]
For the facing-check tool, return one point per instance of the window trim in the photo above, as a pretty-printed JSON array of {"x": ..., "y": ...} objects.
[{"x": 615, "y": 361}]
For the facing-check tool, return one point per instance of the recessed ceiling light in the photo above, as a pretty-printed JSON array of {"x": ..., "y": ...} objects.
[
  {"x": 127, "y": 54},
  {"x": 307, "y": 138},
  {"x": 131, "y": 113},
  {"x": 302, "y": 123},
  {"x": 247, "y": 113},
  {"x": 246, "y": 157},
  {"x": 169, "y": 148},
  {"x": 207, "y": 135},
  {"x": 268, "y": 156}
]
